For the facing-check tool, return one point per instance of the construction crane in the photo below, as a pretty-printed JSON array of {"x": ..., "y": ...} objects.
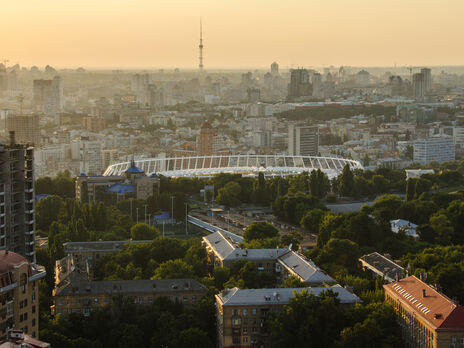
[{"x": 410, "y": 68}]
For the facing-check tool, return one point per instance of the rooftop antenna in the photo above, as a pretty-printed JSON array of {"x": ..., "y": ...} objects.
[{"x": 201, "y": 46}]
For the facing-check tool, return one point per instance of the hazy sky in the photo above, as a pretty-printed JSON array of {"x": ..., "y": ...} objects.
[{"x": 237, "y": 33}]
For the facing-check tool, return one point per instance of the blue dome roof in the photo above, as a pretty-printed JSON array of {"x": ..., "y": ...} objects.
[
  {"x": 82, "y": 174},
  {"x": 134, "y": 169}
]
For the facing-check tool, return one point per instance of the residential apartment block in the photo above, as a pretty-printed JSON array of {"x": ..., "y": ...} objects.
[
  {"x": 242, "y": 313},
  {"x": 223, "y": 251},
  {"x": 19, "y": 294},
  {"x": 428, "y": 319},
  {"x": 440, "y": 149},
  {"x": 81, "y": 296},
  {"x": 17, "y": 221}
]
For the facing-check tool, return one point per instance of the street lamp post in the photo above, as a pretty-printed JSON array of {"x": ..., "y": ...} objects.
[
  {"x": 172, "y": 209},
  {"x": 186, "y": 216}
]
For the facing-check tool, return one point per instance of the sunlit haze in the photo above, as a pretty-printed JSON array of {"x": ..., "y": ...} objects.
[{"x": 147, "y": 33}]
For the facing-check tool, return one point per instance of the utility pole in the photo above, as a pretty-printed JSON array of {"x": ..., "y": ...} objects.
[
  {"x": 172, "y": 209},
  {"x": 186, "y": 215}
]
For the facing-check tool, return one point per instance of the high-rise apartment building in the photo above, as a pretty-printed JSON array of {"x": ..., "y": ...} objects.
[
  {"x": 206, "y": 140},
  {"x": 88, "y": 153},
  {"x": 48, "y": 96},
  {"x": 254, "y": 95},
  {"x": 17, "y": 221},
  {"x": 303, "y": 140},
  {"x": 427, "y": 75},
  {"x": 299, "y": 84},
  {"x": 274, "y": 69},
  {"x": 438, "y": 148},
  {"x": 19, "y": 294},
  {"x": 418, "y": 86},
  {"x": 318, "y": 91},
  {"x": 25, "y": 127}
]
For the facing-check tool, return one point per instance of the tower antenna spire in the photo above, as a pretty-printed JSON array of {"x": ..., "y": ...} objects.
[{"x": 201, "y": 45}]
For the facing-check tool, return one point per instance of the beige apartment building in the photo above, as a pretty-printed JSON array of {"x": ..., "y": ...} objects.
[
  {"x": 19, "y": 294},
  {"x": 428, "y": 319}
]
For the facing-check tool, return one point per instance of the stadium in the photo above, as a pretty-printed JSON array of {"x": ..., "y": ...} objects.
[{"x": 247, "y": 165}]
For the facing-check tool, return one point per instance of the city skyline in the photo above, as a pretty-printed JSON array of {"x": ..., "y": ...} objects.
[{"x": 145, "y": 34}]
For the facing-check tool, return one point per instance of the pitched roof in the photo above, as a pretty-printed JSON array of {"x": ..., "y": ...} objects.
[
  {"x": 9, "y": 259},
  {"x": 437, "y": 309},
  {"x": 382, "y": 265},
  {"x": 243, "y": 297},
  {"x": 304, "y": 268}
]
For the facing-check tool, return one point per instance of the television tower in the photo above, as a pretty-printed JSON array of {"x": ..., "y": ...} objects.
[{"x": 201, "y": 46}]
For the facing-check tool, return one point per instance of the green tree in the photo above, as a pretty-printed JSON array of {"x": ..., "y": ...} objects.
[
  {"x": 174, "y": 269},
  {"x": 346, "y": 181},
  {"x": 260, "y": 230},
  {"x": 229, "y": 195},
  {"x": 312, "y": 219},
  {"x": 142, "y": 231}
]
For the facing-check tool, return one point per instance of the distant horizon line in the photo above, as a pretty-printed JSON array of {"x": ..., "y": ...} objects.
[{"x": 214, "y": 68}]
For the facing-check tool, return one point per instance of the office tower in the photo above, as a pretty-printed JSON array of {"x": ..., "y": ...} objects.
[
  {"x": 254, "y": 95},
  {"x": 274, "y": 69},
  {"x": 299, "y": 84},
  {"x": 440, "y": 149},
  {"x": 303, "y": 140},
  {"x": 48, "y": 96},
  {"x": 17, "y": 198},
  {"x": 427, "y": 73},
  {"x": 418, "y": 86},
  {"x": 317, "y": 85},
  {"x": 154, "y": 96},
  {"x": 25, "y": 127},
  {"x": 206, "y": 139},
  {"x": 19, "y": 293}
]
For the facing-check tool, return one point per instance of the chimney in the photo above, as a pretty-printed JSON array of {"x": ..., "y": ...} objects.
[
  {"x": 12, "y": 138},
  {"x": 424, "y": 294}
]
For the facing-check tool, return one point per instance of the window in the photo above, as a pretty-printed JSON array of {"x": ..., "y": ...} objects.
[
  {"x": 20, "y": 304},
  {"x": 245, "y": 330},
  {"x": 20, "y": 318},
  {"x": 255, "y": 330},
  {"x": 78, "y": 301},
  {"x": 33, "y": 334},
  {"x": 106, "y": 300},
  {"x": 25, "y": 302},
  {"x": 23, "y": 282},
  {"x": 254, "y": 311},
  {"x": 33, "y": 322},
  {"x": 194, "y": 298},
  {"x": 236, "y": 321},
  {"x": 186, "y": 298},
  {"x": 96, "y": 301},
  {"x": 245, "y": 312},
  {"x": 25, "y": 316},
  {"x": 236, "y": 340},
  {"x": 33, "y": 309},
  {"x": 150, "y": 299},
  {"x": 245, "y": 339},
  {"x": 25, "y": 329}
]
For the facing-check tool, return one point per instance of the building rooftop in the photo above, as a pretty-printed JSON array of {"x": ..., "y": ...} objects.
[
  {"x": 437, "y": 309},
  {"x": 382, "y": 265},
  {"x": 99, "y": 246},
  {"x": 256, "y": 297},
  {"x": 304, "y": 268},
  {"x": 9, "y": 260},
  {"x": 121, "y": 188},
  {"x": 129, "y": 286}
]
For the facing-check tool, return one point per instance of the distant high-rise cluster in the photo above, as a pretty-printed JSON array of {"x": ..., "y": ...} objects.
[{"x": 422, "y": 83}]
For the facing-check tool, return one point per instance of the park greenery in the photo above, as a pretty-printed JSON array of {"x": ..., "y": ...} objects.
[{"x": 434, "y": 202}]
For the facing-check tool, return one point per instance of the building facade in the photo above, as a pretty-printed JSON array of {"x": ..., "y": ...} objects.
[
  {"x": 303, "y": 140},
  {"x": 428, "y": 319},
  {"x": 48, "y": 96},
  {"x": 440, "y": 149},
  {"x": 17, "y": 222},
  {"x": 299, "y": 85},
  {"x": 19, "y": 294},
  {"x": 242, "y": 313},
  {"x": 26, "y": 128},
  {"x": 85, "y": 296}
]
